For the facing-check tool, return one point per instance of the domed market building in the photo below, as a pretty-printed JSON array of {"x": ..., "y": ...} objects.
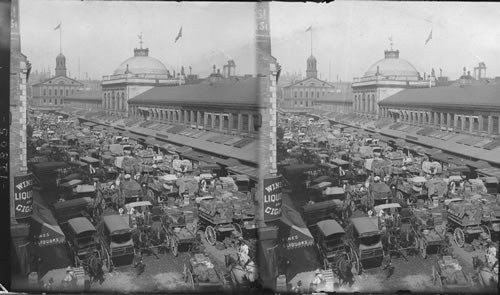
[
  {"x": 132, "y": 77},
  {"x": 384, "y": 78}
]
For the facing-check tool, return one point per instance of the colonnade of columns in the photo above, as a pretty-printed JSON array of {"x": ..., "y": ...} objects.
[
  {"x": 478, "y": 124},
  {"x": 365, "y": 103},
  {"x": 115, "y": 103},
  {"x": 240, "y": 122}
]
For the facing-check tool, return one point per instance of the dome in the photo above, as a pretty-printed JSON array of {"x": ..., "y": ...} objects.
[
  {"x": 392, "y": 65},
  {"x": 311, "y": 58},
  {"x": 141, "y": 63}
]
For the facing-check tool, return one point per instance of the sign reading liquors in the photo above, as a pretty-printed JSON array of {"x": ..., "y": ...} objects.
[
  {"x": 23, "y": 195},
  {"x": 272, "y": 198}
]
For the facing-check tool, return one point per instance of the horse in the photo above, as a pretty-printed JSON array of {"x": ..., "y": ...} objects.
[
  {"x": 243, "y": 275},
  {"x": 94, "y": 266},
  {"x": 344, "y": 272},
  {"x": 482, "y": 270}
]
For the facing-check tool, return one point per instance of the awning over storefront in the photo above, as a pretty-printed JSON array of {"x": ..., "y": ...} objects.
[
  {"x": 44, "y": 230},
  {"x": 252, "y": 172},
  {"x": 228, "y": 162},
  {"x": 183, "y": 149},
  {"x": 198, "y": 156},
  {"x": 491, "y": 171},
  {"x": 296, "y": 233}
]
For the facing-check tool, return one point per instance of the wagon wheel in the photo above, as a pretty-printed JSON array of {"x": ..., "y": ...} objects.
[
  {"x": 400, "y": 196},
  {"x": 486, "y": 230},
  {"x": 459, "y": 237},
  {"x": 185, "y": 273},
  {"x": 150, "y": 194},
  {"x": 356, "y": 265},
  {"x": 423, "y": 249},
  {"x": 167, "y": 241},
  {"x": 237, "y": 227},
  {"x": 175, "y": 248},
  {"x": 78, "y": 261},
  {"x": 434, "y": 275},
  {"x": 211, "y": 235},
  {"x": 106, "y": 259}
]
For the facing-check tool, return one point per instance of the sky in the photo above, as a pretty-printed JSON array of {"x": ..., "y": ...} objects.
[
  {"x": 98, "y": 36},
  {"x": 348, "y": 37}
]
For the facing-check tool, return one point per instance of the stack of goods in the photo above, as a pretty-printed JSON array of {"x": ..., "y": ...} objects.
[
  {"x": 218, "y": 210},
  {"x": 228, "y": 184},
  {"x": 470, "y": 212},
  {"x": 203, "y": 268}
]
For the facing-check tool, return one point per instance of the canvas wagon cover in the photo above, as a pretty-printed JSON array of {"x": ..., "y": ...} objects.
[
  {"x": 80, "y": 225},
  {"x": 330, "y": 227}
]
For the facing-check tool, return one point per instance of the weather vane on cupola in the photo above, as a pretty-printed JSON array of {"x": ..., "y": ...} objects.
[
  {"x": 140, "y": 40},
  {"x": 390, "y": 40}
]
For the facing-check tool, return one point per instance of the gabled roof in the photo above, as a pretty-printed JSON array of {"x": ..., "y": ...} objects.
[
  {"x": 307, "y": 81},
  {"x": 454, "y": 95},
  {"x": 55, "y": 80},
  {"x": 243, "y": 92}
]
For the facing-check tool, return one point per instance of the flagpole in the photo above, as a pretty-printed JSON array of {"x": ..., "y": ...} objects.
[
  {"x": 60, "y": 39},
  {"x": 311, "y": 41}
]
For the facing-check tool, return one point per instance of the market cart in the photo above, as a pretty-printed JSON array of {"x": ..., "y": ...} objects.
[{"x": 448, "y": 275}]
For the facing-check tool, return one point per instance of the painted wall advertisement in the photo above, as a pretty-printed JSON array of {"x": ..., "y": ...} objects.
[
  {"x": 23, "y": 195},
  {"x": 272, "y": 198}
]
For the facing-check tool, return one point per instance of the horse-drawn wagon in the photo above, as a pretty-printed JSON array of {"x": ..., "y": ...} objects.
[
  {"x": 448, "y": 275},
  {"x": 178, "y": 234},
  {"x": 201, "y": 275},
  {"x": 429, "y": 233},
  {"x": 116, "y": 237},
  {"x": 464, "y": 219},
  {"x": 215, "y": 217},
  {"x": 365, "y": 245},
  {"x": 329, "y": 238}
]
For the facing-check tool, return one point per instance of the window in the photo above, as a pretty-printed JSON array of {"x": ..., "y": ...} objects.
[
  {"x": 44, "y": 92},
  {"x": 61, "y": 92},
  {"x": 44, "y": 100},
  {"x": 301, "y": 94},
  {"x": 317, "y": 94},
  {"x": 67, "y": 92},
  {"x": 307, "y": 103},
  {"x": 307, "y": 94},
  {"x": 50, "y": 91},
  {"x": 295, "y": 94}
]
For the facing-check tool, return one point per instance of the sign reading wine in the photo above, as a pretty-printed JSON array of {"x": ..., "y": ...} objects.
[
  {"x": 272, "y": 198},
  {"x": 23, "y": 195}
]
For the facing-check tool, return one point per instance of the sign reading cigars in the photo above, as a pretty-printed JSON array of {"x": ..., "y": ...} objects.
[
  {"x": 23, "y": 195},
  {"x": 272, "y": 198}
]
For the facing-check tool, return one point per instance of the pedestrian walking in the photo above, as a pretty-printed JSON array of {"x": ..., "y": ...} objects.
[
  {"x": 387, "y": 266},
  {"x": 139, "y": 265},
  {"x": 298, "y": 287}
]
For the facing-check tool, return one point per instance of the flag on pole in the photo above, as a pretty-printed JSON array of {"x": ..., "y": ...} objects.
[
  {"x": 428, "y": 38},
  {"x": 58, "y": 27},
  {"x": 178, "y": 35},
  {"x": 310, "y": 28}
]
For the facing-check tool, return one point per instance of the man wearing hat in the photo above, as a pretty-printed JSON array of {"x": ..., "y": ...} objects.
[
  {"x": 318, "y": 280},
  {"x": 243, "y": 252},
  {"x": 70, "y": 276}
]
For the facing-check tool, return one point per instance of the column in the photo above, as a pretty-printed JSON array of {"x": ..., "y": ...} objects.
[
  {"x": 490, "y": 124},
  {"x": 221, "y": 122},
  {"x": 199, "y": 119},
  {"x": 471, "y": 124},
  {"x": 240, "y": 122},
  {"x": 455, "y": 121},
  {"x": 462, "y": 125},
  {"x": 441, "y": 120},
  {"x": 205, "y": 120},
  {"x": 212, "y": 125},
  {"x": 250, "y": 123},
  {"x": 448, "y": 120},
  {"x": 479, "y": 124},
  {"x": 230, "y": 123},
  {"x": 434, "y": 118}
]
